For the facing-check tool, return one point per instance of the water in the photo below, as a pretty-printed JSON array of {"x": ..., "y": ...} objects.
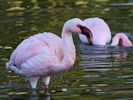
[{"x": 99, "y": 73}]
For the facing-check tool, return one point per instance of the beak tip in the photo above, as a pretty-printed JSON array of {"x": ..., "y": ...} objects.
[{"x": 90, "y": 43}]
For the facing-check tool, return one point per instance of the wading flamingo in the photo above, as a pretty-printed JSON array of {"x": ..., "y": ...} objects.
[
  {"x": 100, "y": 31},
  {"x": 44, "y": 54},
  {"x": 123, "y": 38}
]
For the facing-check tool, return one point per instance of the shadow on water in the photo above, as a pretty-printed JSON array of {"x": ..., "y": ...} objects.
[{"x": 32, "y": 96}]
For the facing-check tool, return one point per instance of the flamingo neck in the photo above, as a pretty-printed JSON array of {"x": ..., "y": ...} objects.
[
  {"x": 69, "y": 52},
  {"x": 116, "y": 40},
  {"x": 123, "y": 38}
]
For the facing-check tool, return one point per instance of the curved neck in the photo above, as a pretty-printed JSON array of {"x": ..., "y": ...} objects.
[
  {"x": 69, "y": 52},
  {"x": 116, "y": 40},
  {"x": 69, "y": 49},
  {"x": 124, "y": 39}
]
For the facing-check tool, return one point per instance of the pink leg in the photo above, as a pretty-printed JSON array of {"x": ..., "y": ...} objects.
[
  {"x": 46, "y": 87},
  {"x": 33, "y": 81},
  {"x": 46, "y": 82}
]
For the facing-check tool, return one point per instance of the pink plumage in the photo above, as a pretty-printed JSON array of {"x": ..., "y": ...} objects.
[
  {"x": 121, "y": 36},
  {"x": 100, "y": 31},
  {"x": 45, "y": 54}
]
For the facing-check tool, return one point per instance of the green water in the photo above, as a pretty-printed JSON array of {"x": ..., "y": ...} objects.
[{"x": 99, "y": 73}]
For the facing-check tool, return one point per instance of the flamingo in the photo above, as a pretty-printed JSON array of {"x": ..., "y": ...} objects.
[
  {"x": 45, "y": 54},
  {"x": 100, "y": 31},
  {"x": 121, "y": 36}
]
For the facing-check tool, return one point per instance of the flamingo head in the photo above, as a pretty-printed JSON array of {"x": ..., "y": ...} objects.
[
  {"x": 87, "y": 33},
  {"x": 78, "y": 26}
]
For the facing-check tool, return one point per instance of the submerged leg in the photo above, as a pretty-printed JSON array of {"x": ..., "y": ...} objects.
[
  {"x": 33, "y": 81},
  {"x": 46, "y": 81}
]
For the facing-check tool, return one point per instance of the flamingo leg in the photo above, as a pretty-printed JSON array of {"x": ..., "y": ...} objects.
[
  {"x": 33, "y": 81},
  {"x": 46, "y": 81}
]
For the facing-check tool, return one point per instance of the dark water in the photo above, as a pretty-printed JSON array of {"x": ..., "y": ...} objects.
[{"x": 99, "y": 73}]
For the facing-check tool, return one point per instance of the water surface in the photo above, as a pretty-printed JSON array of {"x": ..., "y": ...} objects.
[{"x": 99, "y": 73}]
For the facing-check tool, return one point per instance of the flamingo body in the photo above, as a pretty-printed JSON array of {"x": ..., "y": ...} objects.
[
  {"x": 30, "y": 54},
  {"x": 100, "y": 31}
]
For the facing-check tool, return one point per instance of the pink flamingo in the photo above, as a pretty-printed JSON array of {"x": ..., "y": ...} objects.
[
  {"x": 121, "y": 36},
  {"x": 44, "y": 54},
  {"x": 100, "y": 31}
]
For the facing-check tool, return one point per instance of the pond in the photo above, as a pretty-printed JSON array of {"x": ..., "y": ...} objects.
[{"x": 99, "y": 73}]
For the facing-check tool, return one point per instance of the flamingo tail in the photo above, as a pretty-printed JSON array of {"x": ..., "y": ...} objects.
[{"x": 10, "y": 65}]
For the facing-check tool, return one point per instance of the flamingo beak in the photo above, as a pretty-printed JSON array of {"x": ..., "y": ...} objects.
[{"x": 87, "y": 32}]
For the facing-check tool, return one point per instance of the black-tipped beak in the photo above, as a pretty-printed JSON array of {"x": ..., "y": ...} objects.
[
  {"x": 90, "y": 43},
  {"x": 87, "y": 33}
]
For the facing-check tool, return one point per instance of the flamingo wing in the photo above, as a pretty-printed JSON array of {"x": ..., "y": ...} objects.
[{"x": 37, "y": 52}]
